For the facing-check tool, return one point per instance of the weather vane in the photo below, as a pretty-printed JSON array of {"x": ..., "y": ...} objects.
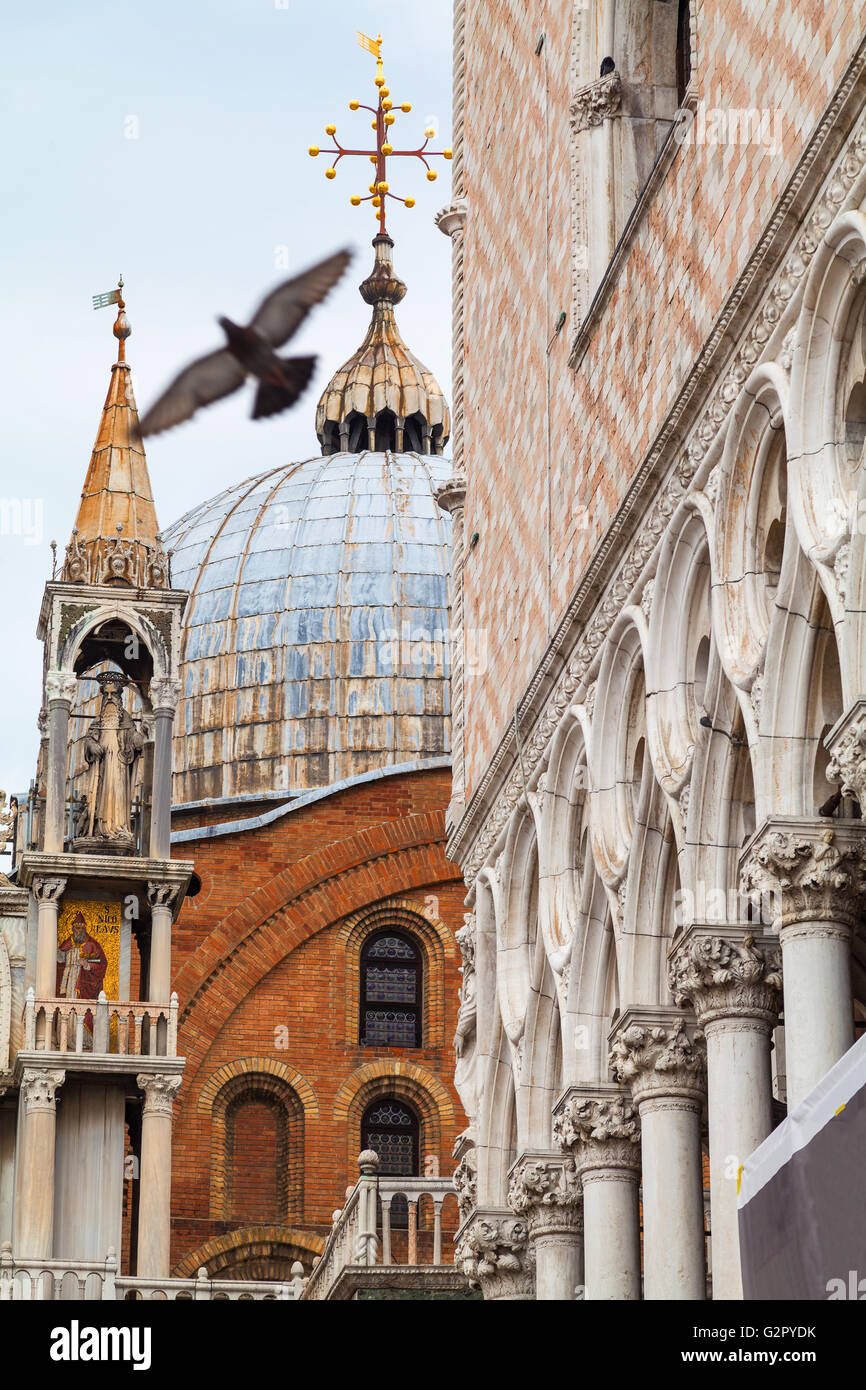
[{"x": 384, "y": 115}]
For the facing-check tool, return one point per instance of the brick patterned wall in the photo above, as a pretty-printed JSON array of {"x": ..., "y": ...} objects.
[
  {"x": 550, "y": 450},
  {"x": 265, "y": 961}
]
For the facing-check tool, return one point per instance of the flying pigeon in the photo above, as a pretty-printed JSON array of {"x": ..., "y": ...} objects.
[{"x": 251, "y": 352}]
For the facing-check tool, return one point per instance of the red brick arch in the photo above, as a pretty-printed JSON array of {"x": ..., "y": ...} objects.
[
  {"x": 350, "y": 875},
  {"x": 274, "y": 1250}
]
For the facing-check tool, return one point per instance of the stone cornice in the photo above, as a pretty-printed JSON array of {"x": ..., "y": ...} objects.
[
  {"x": 78, "y": 870},
  {"x": 670, "y": 467}
]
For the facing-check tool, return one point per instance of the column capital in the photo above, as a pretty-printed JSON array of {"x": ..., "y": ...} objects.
[
  {"x": 659, "y": 1054},
  {"x": 544, "y": 1189},
  {"x": 159, "y": 1092},
  {"x": 452, "y": 219},
  {"x": 164, "y": 695},
  {"x": 816, "y": 868},
  {"x": 466, "y": 1183},
  {"x": 738, "y": 975},
  {"x": 60, "y": 686},
  {"x": 599, "y": 1125},
  {"x": 494, "y": 1253},
  {"x": 48, "y": 890},
  {"x": 39, "y": 1087},
  {"x": 847, "y": 744},
  {"x": 161, "y": 893},
  {"x": 451, "y": 495}
]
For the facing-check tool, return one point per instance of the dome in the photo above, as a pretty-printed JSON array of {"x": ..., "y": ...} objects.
[{"x": 315, "y": 638}]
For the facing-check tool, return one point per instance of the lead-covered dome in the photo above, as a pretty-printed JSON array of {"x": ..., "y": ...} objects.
[{"x": 315, "y": 645}]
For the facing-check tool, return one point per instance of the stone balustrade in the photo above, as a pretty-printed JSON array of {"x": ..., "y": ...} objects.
[
  {"x": 105, "y": 1027},
  {"x": 362, "y": 1231},
  {"x": 98, "y": 1281}
]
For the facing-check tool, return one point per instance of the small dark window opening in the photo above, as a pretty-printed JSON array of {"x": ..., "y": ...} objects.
[
  {"x": 357, "y": 433},
  {"x": 386, "y": 431},
  {"x": 684, "y": 50},
  {"x": 391, "y": 997}
]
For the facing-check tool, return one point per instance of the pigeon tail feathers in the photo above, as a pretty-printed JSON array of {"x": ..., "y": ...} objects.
[{"x": 274, "y": 396}]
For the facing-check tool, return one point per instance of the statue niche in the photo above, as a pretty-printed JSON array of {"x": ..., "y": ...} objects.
[{"x": 112, "y": 747}]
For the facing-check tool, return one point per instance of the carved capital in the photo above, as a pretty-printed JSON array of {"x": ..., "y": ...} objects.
[
  {"x": 48, "y": 890},
  {"x": 597, "y": 102},
  {"x": 452, "y": 219},
  {"x": 601, "y": 1129},
  {"x": 545, "y": 1190},
  {"x": 161, "y": 894},
  {"x": 494, "y": 1253},
  {"x": 164, "y": 695},
  {"x": 159, "y": 1093},
  {"x": 60, "y": 685},
  {"x": 451, "y": 495},
  {"x": 815, "y": 869},
  {"x": 847, "y": 744},
  {"x": 39, "y": 1088},
  {"x": 720, "y": 977},
  {"x": 657, "y": 1056},
  {"x": 466, "y": 1184}
]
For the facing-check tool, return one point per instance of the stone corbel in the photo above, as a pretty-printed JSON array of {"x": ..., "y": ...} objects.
[{"x": 597, "y": 102}]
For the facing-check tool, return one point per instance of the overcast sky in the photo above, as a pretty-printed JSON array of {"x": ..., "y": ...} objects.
[{"x": 168, "y": 141}]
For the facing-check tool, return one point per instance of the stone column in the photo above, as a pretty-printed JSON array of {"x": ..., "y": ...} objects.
[
  {"x": 60, "y": 689},
  {"x": 34, "y": 1168},
  {"x": 663, "y": 1063},
  {"x": 815, "y": 871},
  {"x": 154, "y": 1207},
  {"x": 165, "y": 695},
  {"x": 599, "y": 1126},
  {"x": 161, "y": 897},
  {"x": 47, "y": 892},
  {"x": 545, "y": 1192},
  {"x": 494, "y": 1253},
  {"x": 733, "y": 983}
]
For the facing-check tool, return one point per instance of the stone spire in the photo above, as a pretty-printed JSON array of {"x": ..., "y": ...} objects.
[
  {"x": 115, "y": 539},
  {"x": 383, "y": 397}
]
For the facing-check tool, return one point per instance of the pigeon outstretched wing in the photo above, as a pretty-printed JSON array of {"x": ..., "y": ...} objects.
[
  {"x": 282, "y": 312},
  {"x": 201, "y": 383}
]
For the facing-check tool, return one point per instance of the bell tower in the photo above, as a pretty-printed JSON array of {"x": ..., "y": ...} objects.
[{"x": 96, "y": 1065}]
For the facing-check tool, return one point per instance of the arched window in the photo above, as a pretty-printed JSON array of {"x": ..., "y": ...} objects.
[
  {"x": 391, "y": 991},
  {"x": 391, "y": 1128}
]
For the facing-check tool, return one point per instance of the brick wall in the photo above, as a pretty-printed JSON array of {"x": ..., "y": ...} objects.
[
  {"x": 550, "y": 450},
  {"x": 266, "y": 966}
]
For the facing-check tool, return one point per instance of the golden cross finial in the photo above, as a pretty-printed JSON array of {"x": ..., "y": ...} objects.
[{"x": 384, "y": 115}]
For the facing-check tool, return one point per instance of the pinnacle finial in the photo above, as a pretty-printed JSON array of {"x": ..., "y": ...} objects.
[{"x": 384, "y": 115}]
